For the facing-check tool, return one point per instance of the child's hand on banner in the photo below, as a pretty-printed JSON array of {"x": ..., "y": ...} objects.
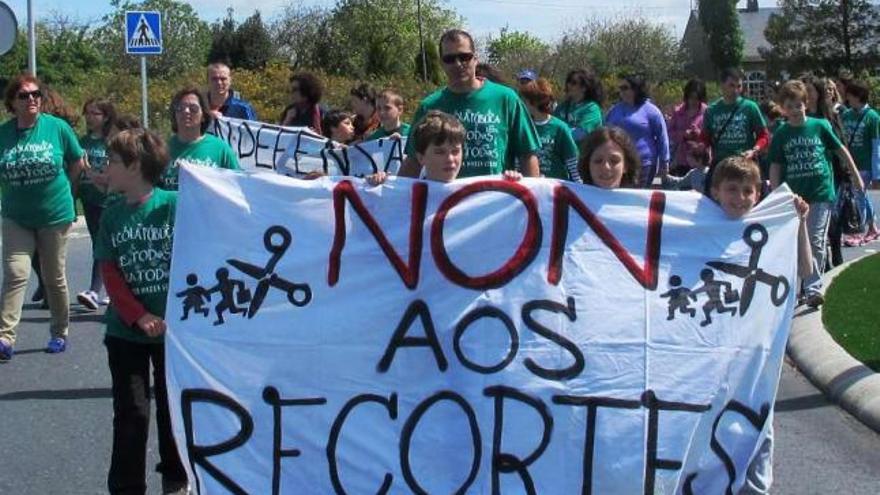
[
  {"x": 377, "y": 178},
  {"x": 151, "y": 325}
]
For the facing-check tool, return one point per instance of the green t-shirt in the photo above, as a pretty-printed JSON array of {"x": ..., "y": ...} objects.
[
  {"x": 380, "y": 133},
  {"x": 33, "y": 180},
  {"x": 209, "y": 151},
  {"x": 583, "y": 118},
  {"x": 138, "y": 238},
  {"x": 96, "y": 151},
  {"x": 802, "y": 153},
  {"x": 739, "y": 135},
  {"x": 558, "y": 155},
  {"x": 497, "y": 124},
  {"x": 861, "y": 129}
]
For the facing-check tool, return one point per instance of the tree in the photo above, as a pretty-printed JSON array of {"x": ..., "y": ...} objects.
[
  {"x": 296, "y": 34},
  {"x": 432, "y": 57},
  {"x": 186, "y": 38},
  {"x": 515, "y": 50},
  {"x": 254, "y": 43},
  {"x": 618, "y": 45},
  {"x": 364, "y": 38},
  {"x": 823, "y": 35},
  {"x": 224, "y": 46},
  {"x": 720, "y": 22}
]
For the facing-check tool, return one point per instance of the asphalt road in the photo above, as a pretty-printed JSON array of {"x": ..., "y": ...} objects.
[{"x": 55, "y": 415}]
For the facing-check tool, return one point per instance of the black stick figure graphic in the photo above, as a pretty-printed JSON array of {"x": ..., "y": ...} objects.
[
  {"x": 679, "y": 298},
  {"x": 277, "y": 240},
  {"x": 194, "y": 297},
  {"x": 227, "y": 288},
  {"x": 755, "y": 236},
  {"x": 143, "y": 33},
  {"x": 712, "y": 288}
]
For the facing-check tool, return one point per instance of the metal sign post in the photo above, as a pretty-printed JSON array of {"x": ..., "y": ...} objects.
[{"x": 143, "y": 36}]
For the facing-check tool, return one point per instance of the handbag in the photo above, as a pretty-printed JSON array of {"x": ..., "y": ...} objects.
[{"x": 849, "y": 215}]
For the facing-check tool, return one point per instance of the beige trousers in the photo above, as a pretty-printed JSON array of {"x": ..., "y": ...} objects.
[{"x": 19, "y": 244}]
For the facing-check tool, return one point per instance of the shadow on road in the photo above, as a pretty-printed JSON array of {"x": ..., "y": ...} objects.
[
  {"x": 801, "y": 403},
  {"x": 69, "y": 394}
]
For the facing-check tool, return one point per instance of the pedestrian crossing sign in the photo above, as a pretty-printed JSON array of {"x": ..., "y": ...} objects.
[{"x": 143, "y": 33}]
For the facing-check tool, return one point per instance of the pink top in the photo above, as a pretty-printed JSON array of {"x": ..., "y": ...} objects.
[{"x": 686, "y": 135}]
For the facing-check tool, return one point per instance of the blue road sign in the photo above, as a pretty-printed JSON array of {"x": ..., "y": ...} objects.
[{"x": 143, "y": 33}]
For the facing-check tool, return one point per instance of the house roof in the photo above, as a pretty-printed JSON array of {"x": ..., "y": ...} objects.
[{"x": 753, "y": 25}]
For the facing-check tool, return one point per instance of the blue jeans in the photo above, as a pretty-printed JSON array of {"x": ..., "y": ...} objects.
[
  {"x": 817, "y": 230},
  {"x": 866, "y": 207}
]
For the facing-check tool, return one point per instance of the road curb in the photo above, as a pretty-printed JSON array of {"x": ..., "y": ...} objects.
[{"x": 843, "y": 379}]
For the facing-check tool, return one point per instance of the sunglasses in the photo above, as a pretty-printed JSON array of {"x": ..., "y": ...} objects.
[
  {"x": 26, "y": 95},
  {"x": 452, "y": 58},
  {"x": 191, "y": 108}
]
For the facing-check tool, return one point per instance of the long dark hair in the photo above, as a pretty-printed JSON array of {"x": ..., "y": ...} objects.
[{"x": 631, "y": 160}]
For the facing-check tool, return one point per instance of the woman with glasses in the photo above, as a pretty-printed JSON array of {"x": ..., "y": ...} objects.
[
  {"x": 190, "y": 119},
  {"x": 40, "y": 163},
  {"x": 305, "y": 108},
  {"x": 582, "y": 107},
  {"x": 645, "y": 124}
]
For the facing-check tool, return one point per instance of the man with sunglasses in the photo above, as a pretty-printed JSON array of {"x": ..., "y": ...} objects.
[
  {"x": 498, "y": 127},
  {"x": 734, "y": 125}
]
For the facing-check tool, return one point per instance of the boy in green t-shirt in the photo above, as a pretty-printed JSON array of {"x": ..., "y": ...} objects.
[
  {"x": 389, "y": 106},
  {"x": 798, "y": 156},
  {"x": 861, "y": 125},
  {"x": 558, "y": 156},
  {"x": 134, "y": 251}
]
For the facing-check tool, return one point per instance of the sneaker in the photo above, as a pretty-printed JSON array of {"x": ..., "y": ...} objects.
[
  {"x": 104, "y": 301},
  {"x": 871, "y": 237},
  {"x": 89, "y": 299},
  {"x": 5, "y": 351},
  {"x": 852, "y": 240},
  {"x": 815, "y": 300},
  {"x": 38, "y": 294},
  {"x": 56, "y": 345}
]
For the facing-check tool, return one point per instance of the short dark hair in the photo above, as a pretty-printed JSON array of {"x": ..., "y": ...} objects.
[
  {"x": 364, "y": 91},
  {"x": 593, "y": 90},
  {"x": 203, "y": 102},
  {"x": 127, "y": 121},
  {"x": 859, "y": 89},
  {"x": 332, "y": 119},
  {"x": 490, "y": 72},
  {"x": 437, "y": 128},
  {"x": 454, "y": 34},
  {"x": 14, "y": 85},
  {"x": 631, "y": 160},
  {"x": 144, "y": 146},
  {"x": 793, "y": 90},
  {"x": 391, "y": 96},
  {"x": 731, "y": 73},
  {"x": 736, "y": 168},
  {"x": 310, "y": 86},
  {"x": 107, "y": 108},
  {"x": 695, "y": 87},
  {"x": 639, "y": 85}
]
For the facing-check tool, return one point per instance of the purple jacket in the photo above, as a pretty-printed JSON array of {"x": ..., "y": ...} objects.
[{"x": 646, "y": 127}]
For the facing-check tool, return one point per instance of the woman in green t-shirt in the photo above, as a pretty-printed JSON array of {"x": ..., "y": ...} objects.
[
  {"x": 40, "y": 159},
  {"x": 581, "y": 108},
  {"x": 189, "y": 144},
  {"x": 100, "y": 116}
]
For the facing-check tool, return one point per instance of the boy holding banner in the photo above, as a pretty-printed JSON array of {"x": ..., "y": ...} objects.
[
  {"x": 134, "y": 252},
  {"x": 389, "y": 105},
  {"x": 736, "y": 186}
]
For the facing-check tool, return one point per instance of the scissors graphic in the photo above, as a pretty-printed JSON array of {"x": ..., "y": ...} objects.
[
  {"x": 755, "y": 236},
  {"x": 277, "y": 240}
]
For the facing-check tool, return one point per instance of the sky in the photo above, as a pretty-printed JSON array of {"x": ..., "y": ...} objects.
[{"x": 546, "y": 19}]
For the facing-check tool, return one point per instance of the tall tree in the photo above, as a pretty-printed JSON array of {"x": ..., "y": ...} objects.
[
  {"x": 186, "y": 38},
  {"x": 511, "y": 51},
  {"x": 823, "y": 35},
  {"x": 379, "y": 37},
  {"x": 720, "y": 21},
  {"x": 254, "y": 43},
  {"x": 296, "y": 34},
  {"x": 224, "y": 47}
]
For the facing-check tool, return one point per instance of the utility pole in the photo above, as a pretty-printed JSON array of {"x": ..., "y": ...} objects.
[
  {"x": 32, "y": 39},
  {"x": 422, "y": 42}
]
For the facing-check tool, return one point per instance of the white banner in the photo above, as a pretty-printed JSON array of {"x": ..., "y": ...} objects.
[
  {"x": 478, "y": 337},
  {"x": 298, "y": 151}
]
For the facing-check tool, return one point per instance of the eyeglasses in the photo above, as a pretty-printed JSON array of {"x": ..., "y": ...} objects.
[
  {"x": 26, "y": 95},
  {"x": 624, "y": 87},
  {"x": 188, "y": 107},
  {"x": 461, "y": 58}
]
